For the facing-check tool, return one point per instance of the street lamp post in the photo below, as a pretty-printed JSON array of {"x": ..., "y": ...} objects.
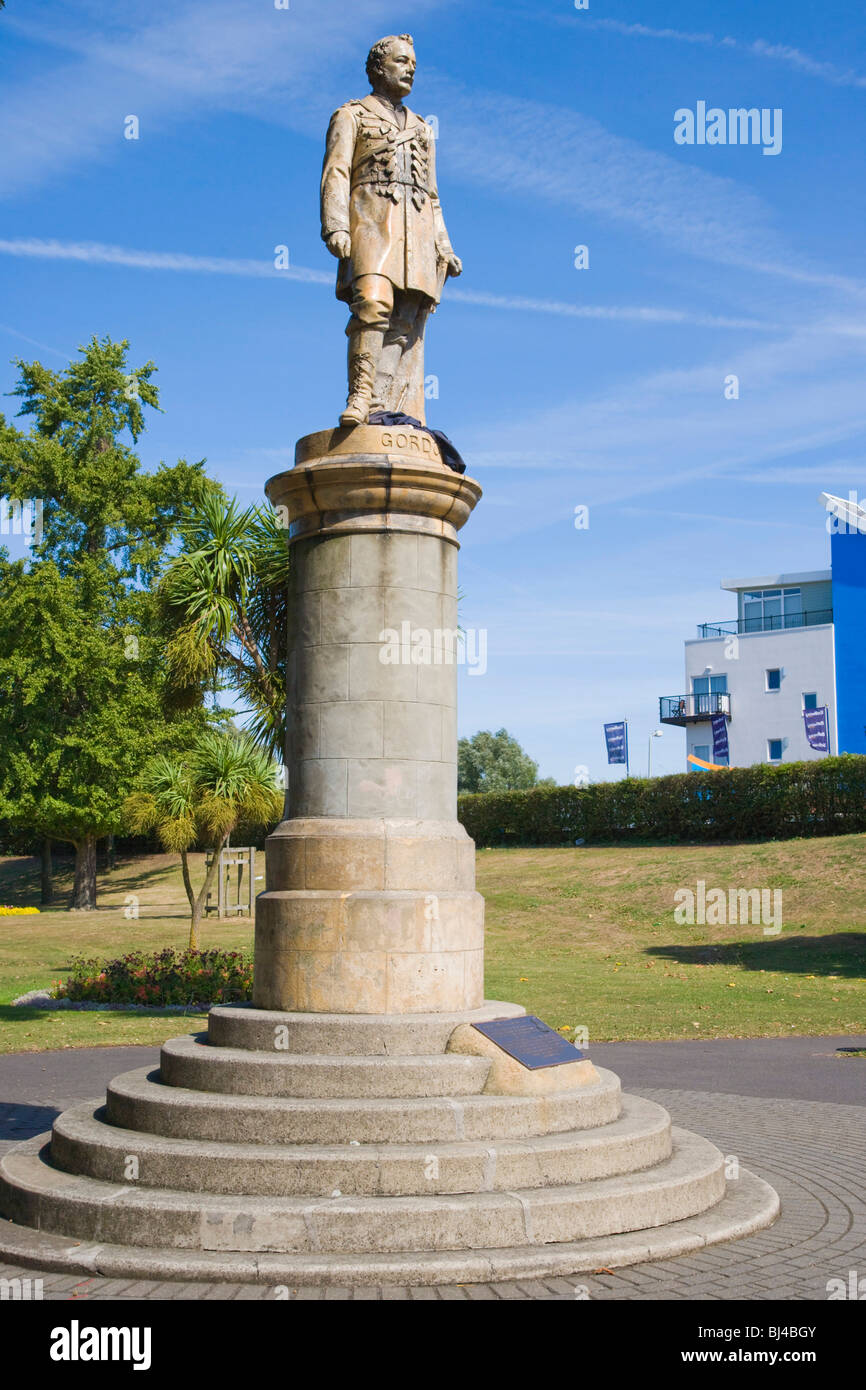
[{"x": 657, "y": 733}]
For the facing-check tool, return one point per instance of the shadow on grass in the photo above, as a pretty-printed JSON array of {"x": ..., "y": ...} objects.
[
  {"x": 843, "y": 953},
  {"x": 129, "y": 876},
  {"x": 18, "y": 1013},
  {"x": 20, "y": 881}
]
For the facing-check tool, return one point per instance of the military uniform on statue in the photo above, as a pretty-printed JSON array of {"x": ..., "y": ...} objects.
[{"x": 382, "y": 217}]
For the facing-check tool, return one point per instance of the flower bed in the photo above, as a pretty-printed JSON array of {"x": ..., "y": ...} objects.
[
  {"x": 161, "y": 978},
  {"x": 6, "y": 911}
]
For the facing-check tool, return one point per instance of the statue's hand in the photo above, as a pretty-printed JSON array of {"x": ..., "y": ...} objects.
[
  {"x": 455, "y": 265},
  {"x": 340, "y": 245}
]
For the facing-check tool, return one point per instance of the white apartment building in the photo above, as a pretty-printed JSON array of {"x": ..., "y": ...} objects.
[
  {"x": 797, "y": 643},
  {"x": 761, "y": 670}
]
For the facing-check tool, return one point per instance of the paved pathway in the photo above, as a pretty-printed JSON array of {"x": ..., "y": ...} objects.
[{"x": 810, "y": 1144}]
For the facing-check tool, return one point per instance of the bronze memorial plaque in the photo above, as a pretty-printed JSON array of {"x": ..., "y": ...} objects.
[{"x": 532, "y": 1043}]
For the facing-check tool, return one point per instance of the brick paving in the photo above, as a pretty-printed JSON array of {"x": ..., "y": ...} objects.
[{"x": 812, "y": 1152}]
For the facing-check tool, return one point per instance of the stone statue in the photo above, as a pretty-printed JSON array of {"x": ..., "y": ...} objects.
[{"x": 382, "y": 218}]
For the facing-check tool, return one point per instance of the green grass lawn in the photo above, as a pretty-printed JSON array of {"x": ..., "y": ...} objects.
[
  {"x": 35, "y": 951},
  {"x": 582, "y": 937}
]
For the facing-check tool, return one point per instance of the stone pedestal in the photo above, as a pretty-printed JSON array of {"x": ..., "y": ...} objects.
[
  {"x": 355, "y": 1127},
  {"x": 370, "y": 905}
]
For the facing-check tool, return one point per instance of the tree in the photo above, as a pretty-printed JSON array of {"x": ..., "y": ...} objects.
[
  {"x": 226, "y": 596},
  {"x": 495, "y": 763},
  {"x": 83, "y": 689},
  {"x": 85, "y": 694},
  {"x": 224, "y": 780},
  {"x": 96, "y": 502}
]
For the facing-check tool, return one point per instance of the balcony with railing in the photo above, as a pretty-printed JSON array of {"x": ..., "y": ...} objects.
[
  {"x": 775, "y": 622},
  {"x": 692, "y": 709}
]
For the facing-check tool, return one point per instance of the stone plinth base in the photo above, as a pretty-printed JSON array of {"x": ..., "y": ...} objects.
[
  {"x": 377, "y": 952},
  {"x": 305, "y": 1148},
  {"x": 370, "y": 917},
  {"x": 370, "y": 905}
]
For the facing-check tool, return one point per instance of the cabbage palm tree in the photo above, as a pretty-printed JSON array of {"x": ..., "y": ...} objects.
[
  {"x": 225, "y": 597},
  {"x": 225, "y": 779}
]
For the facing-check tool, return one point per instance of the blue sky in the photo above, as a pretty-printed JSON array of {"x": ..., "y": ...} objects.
[{"x": 601, "y": 387}]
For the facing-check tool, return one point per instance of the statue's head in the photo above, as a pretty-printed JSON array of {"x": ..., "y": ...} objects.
[{"x": 391, "y": 65}]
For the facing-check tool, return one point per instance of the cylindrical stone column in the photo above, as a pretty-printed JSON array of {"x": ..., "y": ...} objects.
[{"x": 370, "y": 905}]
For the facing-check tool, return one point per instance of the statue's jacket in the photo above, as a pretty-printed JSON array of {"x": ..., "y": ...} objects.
[{"x": 379, "y": 185}]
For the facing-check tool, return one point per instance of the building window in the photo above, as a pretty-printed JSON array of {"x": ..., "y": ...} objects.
[
  {"x": 774, "y": 678},
  {"x": 774, "y": 750},
  {"x": 703, "y": 689},
  {"x": 768, "y": 610},
  {"x": 701, "y": 750},
  {"x": 810, "y": 699}
]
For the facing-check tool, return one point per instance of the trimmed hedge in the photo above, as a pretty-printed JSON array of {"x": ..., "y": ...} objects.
[{"x": 825, "y": 797}]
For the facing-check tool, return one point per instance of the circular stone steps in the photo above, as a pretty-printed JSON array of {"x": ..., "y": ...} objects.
[
  {"x": 194, "y": 1064},
  {"x": 36, "y": 1194},
  {"x": 324, "y": 1149},
  {"x": 344, "y": 1035},
  {"x": 83, "y": 1143},
  {"x": 749, "y": 1205},
  {"x": 138, "y": 1100}
]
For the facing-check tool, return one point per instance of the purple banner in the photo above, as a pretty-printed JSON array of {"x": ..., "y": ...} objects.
[
  {"x": 720, "y": 737},
  {"x": 616, "y": 738},
  {"x": 817, "y": 728}
]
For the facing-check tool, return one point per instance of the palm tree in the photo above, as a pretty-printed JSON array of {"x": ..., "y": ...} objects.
[
  {"x": 225, "y": 779},
  {"x": 225, "y": 596}
]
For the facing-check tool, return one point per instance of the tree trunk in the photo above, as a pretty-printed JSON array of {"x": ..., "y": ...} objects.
[
  {"x": 84, "y": 887},
  {"x": 46, "y": 896},
  {"x": 110, "y": 856},
  {"x": 187, "y": 881},
  {"x": 195, "y": 921}
]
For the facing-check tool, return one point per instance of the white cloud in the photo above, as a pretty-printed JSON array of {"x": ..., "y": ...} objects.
[
  {"x": 34, "y": 342},
  {"x": 716, "y": 518},
  {"x": 509, "y": 144},
  {"x": 98, "y": 253},
  {"x": 220, "y": 53},
  {"x": 659, "y": 433},
  {"x": 823, "y": 473},
  {"x": 613, "y": 313},
  {"x": 778, "y": 52}
]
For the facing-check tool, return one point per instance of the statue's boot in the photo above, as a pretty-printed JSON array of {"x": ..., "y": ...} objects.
[{"x": 365, "y": 350}]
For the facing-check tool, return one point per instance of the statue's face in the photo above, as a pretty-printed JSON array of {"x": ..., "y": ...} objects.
[{"x": 398, "y": 69}]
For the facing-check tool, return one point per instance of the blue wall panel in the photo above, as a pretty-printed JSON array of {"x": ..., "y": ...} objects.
[{"x": 849, "y": 616}]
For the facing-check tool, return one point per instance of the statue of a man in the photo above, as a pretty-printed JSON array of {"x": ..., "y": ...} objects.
[{"x": 381, "y": 217}]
